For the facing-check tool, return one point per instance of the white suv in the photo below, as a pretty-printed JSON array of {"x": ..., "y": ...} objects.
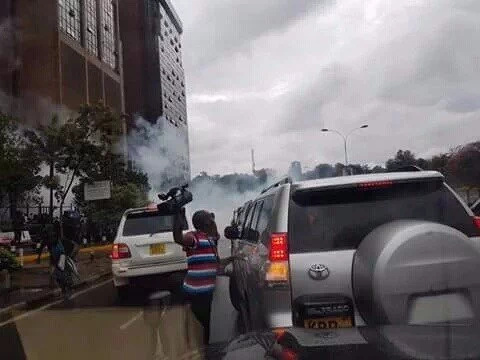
[
  {"x": 143, "y": 248},
  {"x": 379, "y": 249}
]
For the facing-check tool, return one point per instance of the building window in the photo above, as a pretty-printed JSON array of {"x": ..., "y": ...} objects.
[
  {"x": 108, "y": 28},
  {"x": 91, "y": 42},
  {"x": 69, "y": 18}
]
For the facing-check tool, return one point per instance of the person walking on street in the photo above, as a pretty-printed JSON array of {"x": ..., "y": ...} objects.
[
  {"x": 18, "y": 227},
  {"x": 202, "y": 263}
]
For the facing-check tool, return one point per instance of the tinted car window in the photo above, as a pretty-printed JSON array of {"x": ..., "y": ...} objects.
[
  {"x": 340, "y": 219},
  {"x": 264, "y": 218},
  {"x": 252, "y": 234},
  {"x": 147, "y": 223},
  {"x": 248, "y": 221},
  {"x": 242, "y": 217}
]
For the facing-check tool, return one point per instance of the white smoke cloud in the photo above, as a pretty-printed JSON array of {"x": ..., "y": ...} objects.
[{"x": 160, "y": 150}]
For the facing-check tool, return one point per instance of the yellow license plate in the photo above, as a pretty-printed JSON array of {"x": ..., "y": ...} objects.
[
  {"x": 329, "y": 322},
  {"x": 157, "y": 249}
]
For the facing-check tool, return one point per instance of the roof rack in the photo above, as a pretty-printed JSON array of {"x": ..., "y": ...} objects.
[{"x": 285, "y": 180}]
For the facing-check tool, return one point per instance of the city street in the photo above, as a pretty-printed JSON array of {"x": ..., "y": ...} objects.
[{"x": 94, "y": 325}]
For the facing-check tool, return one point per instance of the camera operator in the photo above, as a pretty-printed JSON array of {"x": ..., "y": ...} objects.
[{"x": 202, "y": 263}]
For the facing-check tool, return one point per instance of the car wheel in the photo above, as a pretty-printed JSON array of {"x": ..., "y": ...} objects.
[
  {"x": 234, "y": 294},
  {"x": 123, "y": 292}
]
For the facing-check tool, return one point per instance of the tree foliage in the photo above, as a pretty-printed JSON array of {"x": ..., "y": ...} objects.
[
  {"x": 19, "y": 162},
  {"x": 80, "y": 149},
  {"x": 401, "y": 159},
  {"x": 463, "y": 165}
]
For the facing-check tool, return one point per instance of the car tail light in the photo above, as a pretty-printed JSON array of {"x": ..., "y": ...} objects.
[
  {"x": 277, "y": 267},
  {"x": 476, "y": 221},
  {"x": 120, "y": 251},
  {"x": 288, "y": 354},
  {"x": 375, "y": 184},
  {"x": 278, "y": 247}
]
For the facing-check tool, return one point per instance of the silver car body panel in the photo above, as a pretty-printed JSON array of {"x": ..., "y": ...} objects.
[{"x": 274, "y": 306}]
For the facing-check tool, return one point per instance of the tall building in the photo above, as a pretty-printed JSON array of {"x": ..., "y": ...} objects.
[
  {"x": 154, "y": 84},
  {"x": 66, "y": 52},
  {"x": 154, "y": 79}
]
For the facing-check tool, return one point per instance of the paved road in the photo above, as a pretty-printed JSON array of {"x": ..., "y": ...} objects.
[{"x": 94, "y": 325}]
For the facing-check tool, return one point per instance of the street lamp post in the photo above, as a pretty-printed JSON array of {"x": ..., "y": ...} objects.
[{"x": 345, "y": 138}]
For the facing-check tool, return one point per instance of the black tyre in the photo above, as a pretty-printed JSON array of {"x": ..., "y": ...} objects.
[
  {"x": 235, "y": 298},
  {"x": 123, "y": 293}
]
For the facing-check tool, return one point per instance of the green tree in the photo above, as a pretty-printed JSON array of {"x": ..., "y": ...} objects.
[
  {"x": 49, "y": 142},
  {"x": 82, "y": 146},
  {"x": 19, "y": 163},
  {"x": 440, "y": 163},
  {"x": 402, "y": 158},
  {"x": 463, "y": 167}
]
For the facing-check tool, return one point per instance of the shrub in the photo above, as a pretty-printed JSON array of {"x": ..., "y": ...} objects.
[{"x": 8, "y": 261}]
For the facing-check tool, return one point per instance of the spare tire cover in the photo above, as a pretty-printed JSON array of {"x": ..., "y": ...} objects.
[{"x": 405, "y": 259}]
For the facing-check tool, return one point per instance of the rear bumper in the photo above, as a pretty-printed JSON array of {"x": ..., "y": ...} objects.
[
  {"x": 278, "y": 308},
  {"x": 123, "y": 270}
]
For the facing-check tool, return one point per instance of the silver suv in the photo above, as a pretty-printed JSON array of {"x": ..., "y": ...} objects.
[{"x": 379, "y": 249}]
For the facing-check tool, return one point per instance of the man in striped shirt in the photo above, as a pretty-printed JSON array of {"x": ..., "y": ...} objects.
[{"x": 202, "y": 263}]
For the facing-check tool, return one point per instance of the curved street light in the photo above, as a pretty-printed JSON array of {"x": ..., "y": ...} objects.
[{"x": 345, "y": 138}]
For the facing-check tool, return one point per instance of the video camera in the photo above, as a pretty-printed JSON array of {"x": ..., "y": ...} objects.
[{"x": 174, "y": 199}]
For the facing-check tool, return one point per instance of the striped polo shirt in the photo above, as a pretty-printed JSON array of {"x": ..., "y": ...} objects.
[{"x": 201, "y": 265}]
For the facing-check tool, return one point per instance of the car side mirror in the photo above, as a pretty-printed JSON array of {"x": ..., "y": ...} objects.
[{"x": 231, "y": 232}]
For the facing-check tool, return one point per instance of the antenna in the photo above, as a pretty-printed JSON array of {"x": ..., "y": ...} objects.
[{"x": 253, "y": 162}]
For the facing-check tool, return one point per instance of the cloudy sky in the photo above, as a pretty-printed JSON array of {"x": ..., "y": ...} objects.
[{"x": 270, "y": 74}]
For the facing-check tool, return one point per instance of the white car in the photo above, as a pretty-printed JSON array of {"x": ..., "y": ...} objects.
[{"x": 143, "y": 248}]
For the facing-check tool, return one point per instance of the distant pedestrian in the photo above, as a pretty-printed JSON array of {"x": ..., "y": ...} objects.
[
  {"x": 46, "y": 236},
  {"x": 48, "y": 239},
  {"x": 18, "y": 226}
]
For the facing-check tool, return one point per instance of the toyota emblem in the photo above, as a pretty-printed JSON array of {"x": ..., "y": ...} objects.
[{"x": 318, "y": 272}]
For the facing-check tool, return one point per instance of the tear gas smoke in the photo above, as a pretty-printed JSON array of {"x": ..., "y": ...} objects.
[{"x": 161, "y": 151}]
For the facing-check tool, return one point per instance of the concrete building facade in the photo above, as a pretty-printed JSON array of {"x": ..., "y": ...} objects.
[
  {"x": 65, "y": 52},
  {"x": 154, "y": 79}
]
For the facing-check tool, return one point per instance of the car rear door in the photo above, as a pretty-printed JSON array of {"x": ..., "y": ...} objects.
[
  {"x": 327, "y": 225},
  {"x": 149, "y": 238}
]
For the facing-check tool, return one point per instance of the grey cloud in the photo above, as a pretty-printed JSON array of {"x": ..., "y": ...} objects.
[
  {"x": 226, "y": 26},
  {"x": 447, "y": 63},
  {"x": 412, "y": 74},
  {"x": 305, "y": 111},
  {"x": 464, "y": 103}
]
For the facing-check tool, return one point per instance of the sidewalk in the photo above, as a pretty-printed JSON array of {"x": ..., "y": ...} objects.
[
  {"x": 30, "y": 259},
  {"x": 32, "y": 283}
]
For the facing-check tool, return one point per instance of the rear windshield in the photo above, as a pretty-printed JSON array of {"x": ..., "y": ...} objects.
[
  {"x": 340, "y": 219},
  {"x": 147, "y": 223}
]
